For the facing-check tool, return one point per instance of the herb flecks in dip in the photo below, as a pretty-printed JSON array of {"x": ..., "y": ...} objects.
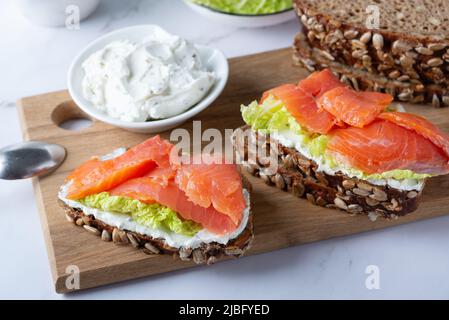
[{"x": 158, "y": 77}]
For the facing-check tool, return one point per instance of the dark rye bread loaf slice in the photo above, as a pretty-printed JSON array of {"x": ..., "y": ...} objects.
[
  {"x": 313, "y": 59},
  {"x": 207, "y": 253},
  {"x": 411, "y": 44},
  {"x": 299, "y": 175}
]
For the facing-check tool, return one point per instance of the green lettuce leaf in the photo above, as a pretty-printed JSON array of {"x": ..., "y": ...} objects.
[
  {"x": 279, "y": 121},
  {"x": 150, "y": 215},
  {"x": 317, "y": 146},
  {"x": 259, "y": 116},
  {"x": 399, "y": 175},
  {"x": 270, "y": 116},
  {"x": 251, "y": 7}
]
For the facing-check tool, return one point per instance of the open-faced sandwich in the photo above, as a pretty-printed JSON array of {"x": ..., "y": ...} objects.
[
  {"x": 147, "y": 197},
  {"x": 343, "y": 149}
]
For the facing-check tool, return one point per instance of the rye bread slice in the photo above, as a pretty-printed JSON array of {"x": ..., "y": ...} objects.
[
  {"x": 207, "y": 253},
  {"x": 417, "y": 19},
  {"x": 299, "y": 175},
  {"x": 313, "y": 59},
  {"x": 411, "y": 44}
]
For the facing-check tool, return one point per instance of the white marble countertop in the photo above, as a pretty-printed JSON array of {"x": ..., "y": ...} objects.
[{"x": 413, "y": 259}]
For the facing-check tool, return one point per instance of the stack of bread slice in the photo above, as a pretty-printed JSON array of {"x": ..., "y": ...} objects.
[{"x": 405, "y": 55}]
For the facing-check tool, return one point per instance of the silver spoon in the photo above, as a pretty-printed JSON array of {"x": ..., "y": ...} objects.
[{"x": 30, "y": 159}]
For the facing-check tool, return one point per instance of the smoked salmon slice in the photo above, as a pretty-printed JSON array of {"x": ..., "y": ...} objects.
[
  {"x": 354, "y": 108},
  {"x": 302, "y": 106},
  {"x": 148, "y": 190},
  {"x": 162, "y": 175},
  {"x": 320, "y": 82},
  {"x": 383, "y": 146},
  {"x": 213, "y": 183},
  {"x": 84, "y": 169},
  {"x": 421, "y": 125},
  {"x": 300, "y": 100},
  {"x": 96, "y": 176}
]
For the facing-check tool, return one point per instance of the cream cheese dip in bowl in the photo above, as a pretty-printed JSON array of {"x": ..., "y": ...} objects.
[{"x": 144, "y": 79}]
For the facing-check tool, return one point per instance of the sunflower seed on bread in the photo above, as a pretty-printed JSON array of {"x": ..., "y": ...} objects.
[
  {"x": 403, "y": 89},
  {"x": 406, "y": 45}
]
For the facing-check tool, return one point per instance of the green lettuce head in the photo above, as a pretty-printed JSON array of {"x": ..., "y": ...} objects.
[{"x": 247, "y": 7}]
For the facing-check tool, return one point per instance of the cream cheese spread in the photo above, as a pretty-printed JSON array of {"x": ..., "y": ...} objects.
[{"x": 158, "y": 77}]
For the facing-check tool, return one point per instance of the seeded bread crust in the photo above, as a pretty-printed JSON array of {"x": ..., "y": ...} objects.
[
  {"x": 205, "y": 254},
  {"x": 421, "y": 19},
  {"x": 313, "y": 59},
  {"x": 298, "y": 175},
  {"x": 419, "y": 61}
]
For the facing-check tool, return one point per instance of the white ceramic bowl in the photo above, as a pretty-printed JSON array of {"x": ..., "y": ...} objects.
[
  {"x": 240, "y": 20},
  {"x": 213, "y": 59},
  {"x": 55, "y": 13}
]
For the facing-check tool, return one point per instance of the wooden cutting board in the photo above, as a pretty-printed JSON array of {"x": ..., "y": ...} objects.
[{"x": 281, "y": 220}]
